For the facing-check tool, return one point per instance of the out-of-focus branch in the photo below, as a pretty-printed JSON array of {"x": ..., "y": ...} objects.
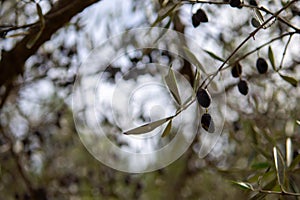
[
  {"x": 12, "y": 62},
  {"x": 16, "y": 159}
]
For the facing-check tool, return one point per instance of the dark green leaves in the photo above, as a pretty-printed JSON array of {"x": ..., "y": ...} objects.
[
  {"x": 198, "y": 17},
  {"x": 260, "y": 165},
  {"x": 147, "y": 127},
  {"x": 259, "y": 16},
  {"x": 167, "y": 129},
  {"x": 271, "y": 58},
  {"x": 165, "y": 13},
  {"x": 243, "y": 185},
  {"x": 279, "y": 166},
  {"x": 193, "y": 59},
  {"x": 290, "y": 80},
  {"x": 172, "y": 85},
  {"x": 214, "y": 56}
]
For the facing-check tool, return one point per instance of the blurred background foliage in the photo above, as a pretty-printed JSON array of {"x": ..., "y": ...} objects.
[{"x": 41, "y": 156}]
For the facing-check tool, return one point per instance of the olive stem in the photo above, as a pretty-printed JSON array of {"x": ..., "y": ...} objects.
[{"x": 284, "y": 52}]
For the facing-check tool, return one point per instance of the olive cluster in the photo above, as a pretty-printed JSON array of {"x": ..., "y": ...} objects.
[
  {"x": 204, "y": 100},
  {"x": 236, "y": 72}
]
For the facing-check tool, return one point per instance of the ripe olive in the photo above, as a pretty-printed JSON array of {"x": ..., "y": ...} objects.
[
  {"x": 198, "y": 17},
  {"x": 253, "y": 3},
  {"x": 236, "y": 70},
  {"x": 243, "y": 87},
  {"x": 235, "y": 3},
  {"x": 207, "y": 123},
  {"x": 203, "y": 97},
  {"x": 261, "y": 65}
]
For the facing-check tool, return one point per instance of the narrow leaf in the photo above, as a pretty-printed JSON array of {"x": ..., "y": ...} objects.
[
  {"x": 164, "y": 31},
  {"x": 279, "y": 166},
  {"x": 295, "y": 162},
  {"x": 268, "y": 136},
  {"x": 172, "y": 85},
  {"x": 147, "y": 127},
  {"x": 289, "y": 151},
  {"x": 260, "y": 165},
  {"x": 271, "y": 58},
  {"x": 298, "y": 122},
  {"x": 243, "y": 185},
  {"x": 164, "y": 14},
  {"x": 196, "y": 80},
  {"x": 214, "y": 56},
  {"x": 167, "y": 129},
  {"x": 192, "y": 58},
  {"x": 259, "y": 16},
  {"x": 33, "y": 40},
  {"x": 290, "y": 80}
]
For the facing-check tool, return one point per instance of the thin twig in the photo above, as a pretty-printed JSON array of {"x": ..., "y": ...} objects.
[
  {"x": 252, "y": 34},
  {"x": 247, "y": 6},
  {"x": 284, "y": 52},
  {"x": 205, "y": 2},
  {"x": 276, "y": 192},
  {"x": 13, "y": 28},
  {"x": 265, "y": 44}
]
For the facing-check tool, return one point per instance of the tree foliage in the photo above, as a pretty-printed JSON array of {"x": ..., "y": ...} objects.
[{"x": 250, "y": 53}]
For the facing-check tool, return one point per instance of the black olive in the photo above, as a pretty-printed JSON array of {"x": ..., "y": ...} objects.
[
  {"x": 235, "y": 3},
  {"x": 243, "y": 87},
  {"x": 198, "y": 17},
  {"x": 236, "y": 70},
  {"x": 203, "y": 97},
  {"x": 253, "y": 3},
  {"x": 261, "y": 65},
  {"x": 207, "y": 123}
]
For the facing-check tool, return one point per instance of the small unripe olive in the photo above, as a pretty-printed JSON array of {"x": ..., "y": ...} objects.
[
  {"x": 261, "y": 65},
  {"x": 243, "y": 87},
  {"x": 236, "y": 70},
  {"x": 207, "y": 123},
  {"x": 203, "y": 97}
]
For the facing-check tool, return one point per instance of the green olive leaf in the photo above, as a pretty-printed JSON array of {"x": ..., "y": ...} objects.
[
  {"x": 214, "y": 56},
  {"x": 289, "y": 151},
  {"x": 172, "y": 85},
  {"x": 147, "y": 127},
  {"x": 192, "y": 58},
  {"x": 243, "y": 185},
  {"x": 167, "y": 129},
  {"x": 271, "y": 58},
  {"x": 290, "y": 80},
  {"x": 279, "y": 166},
  {"x": 259, "y": 16},
  {"x": 164, "y": 13}
]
